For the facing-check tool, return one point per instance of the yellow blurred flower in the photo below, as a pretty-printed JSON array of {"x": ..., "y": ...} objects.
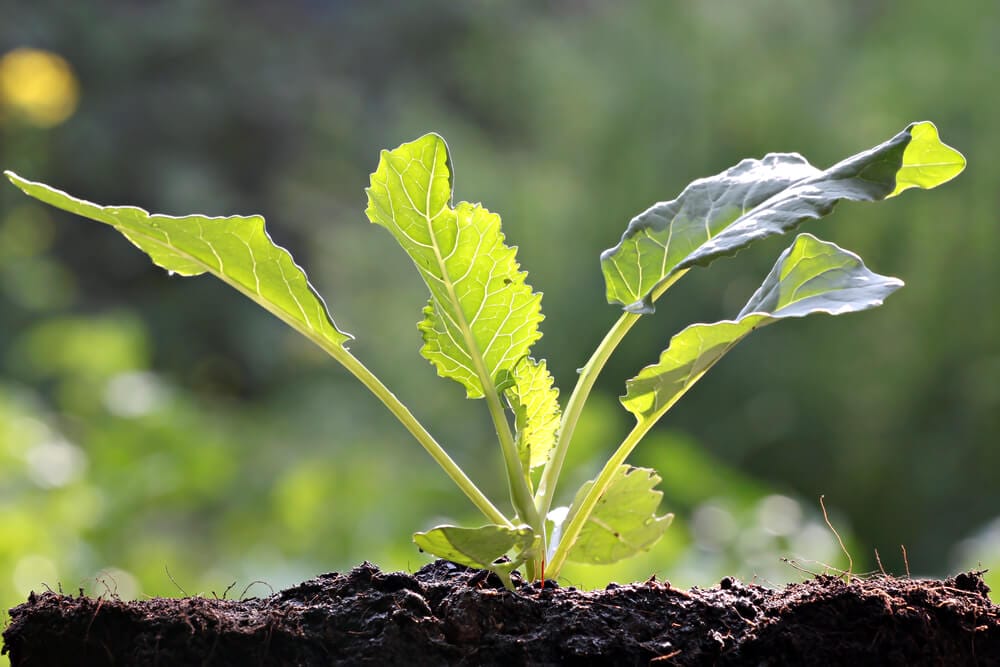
[{"x": 37, "y": 86}]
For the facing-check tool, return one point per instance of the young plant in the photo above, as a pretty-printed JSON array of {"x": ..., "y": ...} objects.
[{"x": 482, "y": 318}]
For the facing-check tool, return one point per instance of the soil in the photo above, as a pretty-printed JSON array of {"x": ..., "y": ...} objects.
[{"x": 446, "y": 614}]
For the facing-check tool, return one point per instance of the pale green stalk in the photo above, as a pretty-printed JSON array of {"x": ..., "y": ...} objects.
[
  {"x": 519, "y": 491},
  {"x": 576, "y": 522},
  {"x": 395, "y": 406},
  {"x": 417, "y": 430},
  {"x": 574, "y": 407}
]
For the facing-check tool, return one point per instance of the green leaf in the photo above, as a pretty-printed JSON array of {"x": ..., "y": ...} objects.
[
  {"x": 811, "y": 276},
  {"x": 236, "y": 249},
  {"x": 482, "y": 318},
  {"x": 755, "y": 199},
  {"x": 624, "y": 521},
  {"x": 927, "y": 162},
  {"x": 536, "y": 411},
  {"x": 475, "y": 547}
]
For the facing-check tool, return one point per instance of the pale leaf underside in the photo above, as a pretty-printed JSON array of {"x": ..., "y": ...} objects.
[
  {"x": 811, "y": 276},
  {"x": 755, "y": 199}
]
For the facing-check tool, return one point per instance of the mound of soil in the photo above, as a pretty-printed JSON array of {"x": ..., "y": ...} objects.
[{"x": 447, "y": 614}]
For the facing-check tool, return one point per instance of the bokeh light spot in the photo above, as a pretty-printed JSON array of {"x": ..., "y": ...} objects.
[
  {"x": 55, "y": 463},
  {"x": 37, "y": 86},
  {"x": 33, "y": 572},
  {"x": 779, "y": 515},
  {"x": 134, "y": 394},
  {"x": 713, "y": 526}
]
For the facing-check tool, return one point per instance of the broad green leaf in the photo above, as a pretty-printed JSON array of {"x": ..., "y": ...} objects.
[
  {"x": 535, "y": 404},
  {"x": 811, "y": 276},
  {"x": 755, "y": 199},
  {"x": 236, "y": 249},
  {"x": 475, "y": 547},
  {"x": 624, "y": 522},
  {"x": 482, "y": 317}
]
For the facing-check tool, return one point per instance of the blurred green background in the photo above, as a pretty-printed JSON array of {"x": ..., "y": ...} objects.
[{"x": 160, "y": 435}]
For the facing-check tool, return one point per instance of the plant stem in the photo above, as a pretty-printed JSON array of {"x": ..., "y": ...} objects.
[
  {"x": 519, "y": 491},
  {"x": 403, "y": 414},
  {"x": 576, "y": 522},
  {"x": 574, "y": 407}
]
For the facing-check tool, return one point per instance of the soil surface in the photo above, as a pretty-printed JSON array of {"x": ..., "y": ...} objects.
[{"x": 446, "y": 614}]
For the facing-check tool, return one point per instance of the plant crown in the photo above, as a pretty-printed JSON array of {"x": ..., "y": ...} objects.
[{"x": 482, "y": 318}]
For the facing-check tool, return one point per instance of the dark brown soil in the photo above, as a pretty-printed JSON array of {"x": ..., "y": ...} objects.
[{"x": 446, "y": 614}]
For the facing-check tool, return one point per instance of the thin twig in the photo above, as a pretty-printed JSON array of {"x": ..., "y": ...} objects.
[
  {"x": 225, "y": 592},
  {"x": 906, "y": 561},
  {"x": 183, "y": 592},
  {"x": 850, "y": 561},
  {"x": 243, "y": 596},
  {"x": 795, "y": 564},
  {"x": 879, "y": 561}
]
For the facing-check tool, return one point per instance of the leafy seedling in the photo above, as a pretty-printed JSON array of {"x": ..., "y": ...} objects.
[{"x": 482, "y": 318}]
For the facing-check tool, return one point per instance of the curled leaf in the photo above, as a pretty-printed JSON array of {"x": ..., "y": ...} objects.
[
  {"x": 722, "y": 214},
  {"x": 927, "y": 163}
]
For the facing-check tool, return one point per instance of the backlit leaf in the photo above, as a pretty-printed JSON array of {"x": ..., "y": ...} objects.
[
  {"x": 755, "y": 199},
  {"x": 535, "y": 404},
  {"x": 927, "y": 162},
  {"x": 474, "y": 547},
  {"x": 236, "y": 249},
  {"x": 482, "y": 317},
  {"x": 624, "y": 521},
  {"x": 811, "y": 276}
]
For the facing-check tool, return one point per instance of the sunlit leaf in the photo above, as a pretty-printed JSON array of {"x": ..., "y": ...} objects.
[
  {"x": 536, "y": 411},
  {"x": 624, "y": 522},
  {"x": 475, "y": 547},
  {"x": 811, "y": 276},
  {"x": 755, "y": 199},
  {"x": 927, "y": 162},
  {"x": 236, "y": 249},
  {"x": 482, "y": 317}
]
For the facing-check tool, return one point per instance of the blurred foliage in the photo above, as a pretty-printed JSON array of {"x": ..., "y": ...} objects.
[{"x": 160, "y": 435}]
